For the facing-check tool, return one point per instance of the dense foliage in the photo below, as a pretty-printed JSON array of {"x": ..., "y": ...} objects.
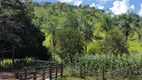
[
  {"x": 80, "y": 30},
  {"x": 115, "y": 43},
  {"x": 17, "y": 29}
]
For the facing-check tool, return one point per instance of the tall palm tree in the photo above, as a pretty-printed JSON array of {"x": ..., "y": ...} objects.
[
  {"x": 83, "y": 24},
  {"x": 87, "y": 29},
  {"x": 139, "y": 30},
  {"x": 107, "y": 23},
  {"x": 128, "y": 23},
  {"x": 88, "y": 32}
]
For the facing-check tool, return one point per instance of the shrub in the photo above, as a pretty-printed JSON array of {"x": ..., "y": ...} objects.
[{"x": 115, "y": 43}]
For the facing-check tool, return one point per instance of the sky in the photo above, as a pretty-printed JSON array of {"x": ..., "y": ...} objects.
[{"x": 117, "y": 7}]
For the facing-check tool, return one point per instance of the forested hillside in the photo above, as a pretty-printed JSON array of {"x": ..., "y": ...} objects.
[
  {"x": 83, "y": 30},
  {"x": 66, "y": 31}
]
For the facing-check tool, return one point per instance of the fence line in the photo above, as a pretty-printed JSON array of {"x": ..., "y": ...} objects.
[
  {"x": 46, "y": 72},
  {"x": 130, "y": 67},
  {"x": 103, "y": 72},
  {"x": 49, "y": 70}
]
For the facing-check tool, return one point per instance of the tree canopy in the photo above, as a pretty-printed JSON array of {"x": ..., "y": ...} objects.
[{"x": 17, "y": 28}]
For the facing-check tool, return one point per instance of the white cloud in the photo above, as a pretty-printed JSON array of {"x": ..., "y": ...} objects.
[
  {"x": 132, "y": 7},
  {"x": 140, "y": 12},
  {"x": 98, "y": 6},
  {"x": 121, "y": 7},
  {"x": 92, "y": 5},
  {"x": 76, "y": 2}
]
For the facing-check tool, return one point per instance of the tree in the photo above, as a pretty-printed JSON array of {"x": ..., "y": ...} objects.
[
  {"x": 115, "y": 43},
  {"x": 69, "y": 42},
  {"x": 107, "y": 23},
  {"x": 9, "y": 23},
  {"x": 128, "y": 23},
  {"x": 46, "y": 19},
  {"x": 139, "y": 30},
  {"x": 51, "y": 30},
  {"x": 87, "y": 31},
  {"x": 17, "y": 29}
]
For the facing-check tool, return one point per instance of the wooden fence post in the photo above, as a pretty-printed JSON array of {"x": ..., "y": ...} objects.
[
  {"x": 43, "y": 74},
  {"x": 103, "y": 74},
  {"x": 129, "y": 73},
  {"x": 25, "y": 63},
  {"x": 61, "y": 69},
  {"x": 50, "y": 72},
  {"x": 34, "y": 74},
  {"x": 56, "y": 71},
  {"x": 25, "y": 72},
  {"x": 13, "y": 69},
  {"x": 17, "y": 75},
  {"x": 81, "y": 72},
  {"x": 91, "y": 72},
  {"x": 20, "y": 76}
]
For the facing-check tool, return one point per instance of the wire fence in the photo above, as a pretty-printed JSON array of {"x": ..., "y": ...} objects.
[
  {"x": 129, "y": 73},
  {"x": 5, "y": 50}
]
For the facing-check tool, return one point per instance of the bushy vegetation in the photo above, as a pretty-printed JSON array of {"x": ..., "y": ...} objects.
[
  {"x": 115, "y": 43},
  {"x": 110, "y": 61},
  {"x": 7, "y": 63},
  {"x": 118, "y": 67}
]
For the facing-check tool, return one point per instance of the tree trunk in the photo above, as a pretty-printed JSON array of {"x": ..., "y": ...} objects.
[
  {"x": 126, "y": 36},
  {"x": 54, "y": 45},
  {"x": 86, "y": 46}
]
